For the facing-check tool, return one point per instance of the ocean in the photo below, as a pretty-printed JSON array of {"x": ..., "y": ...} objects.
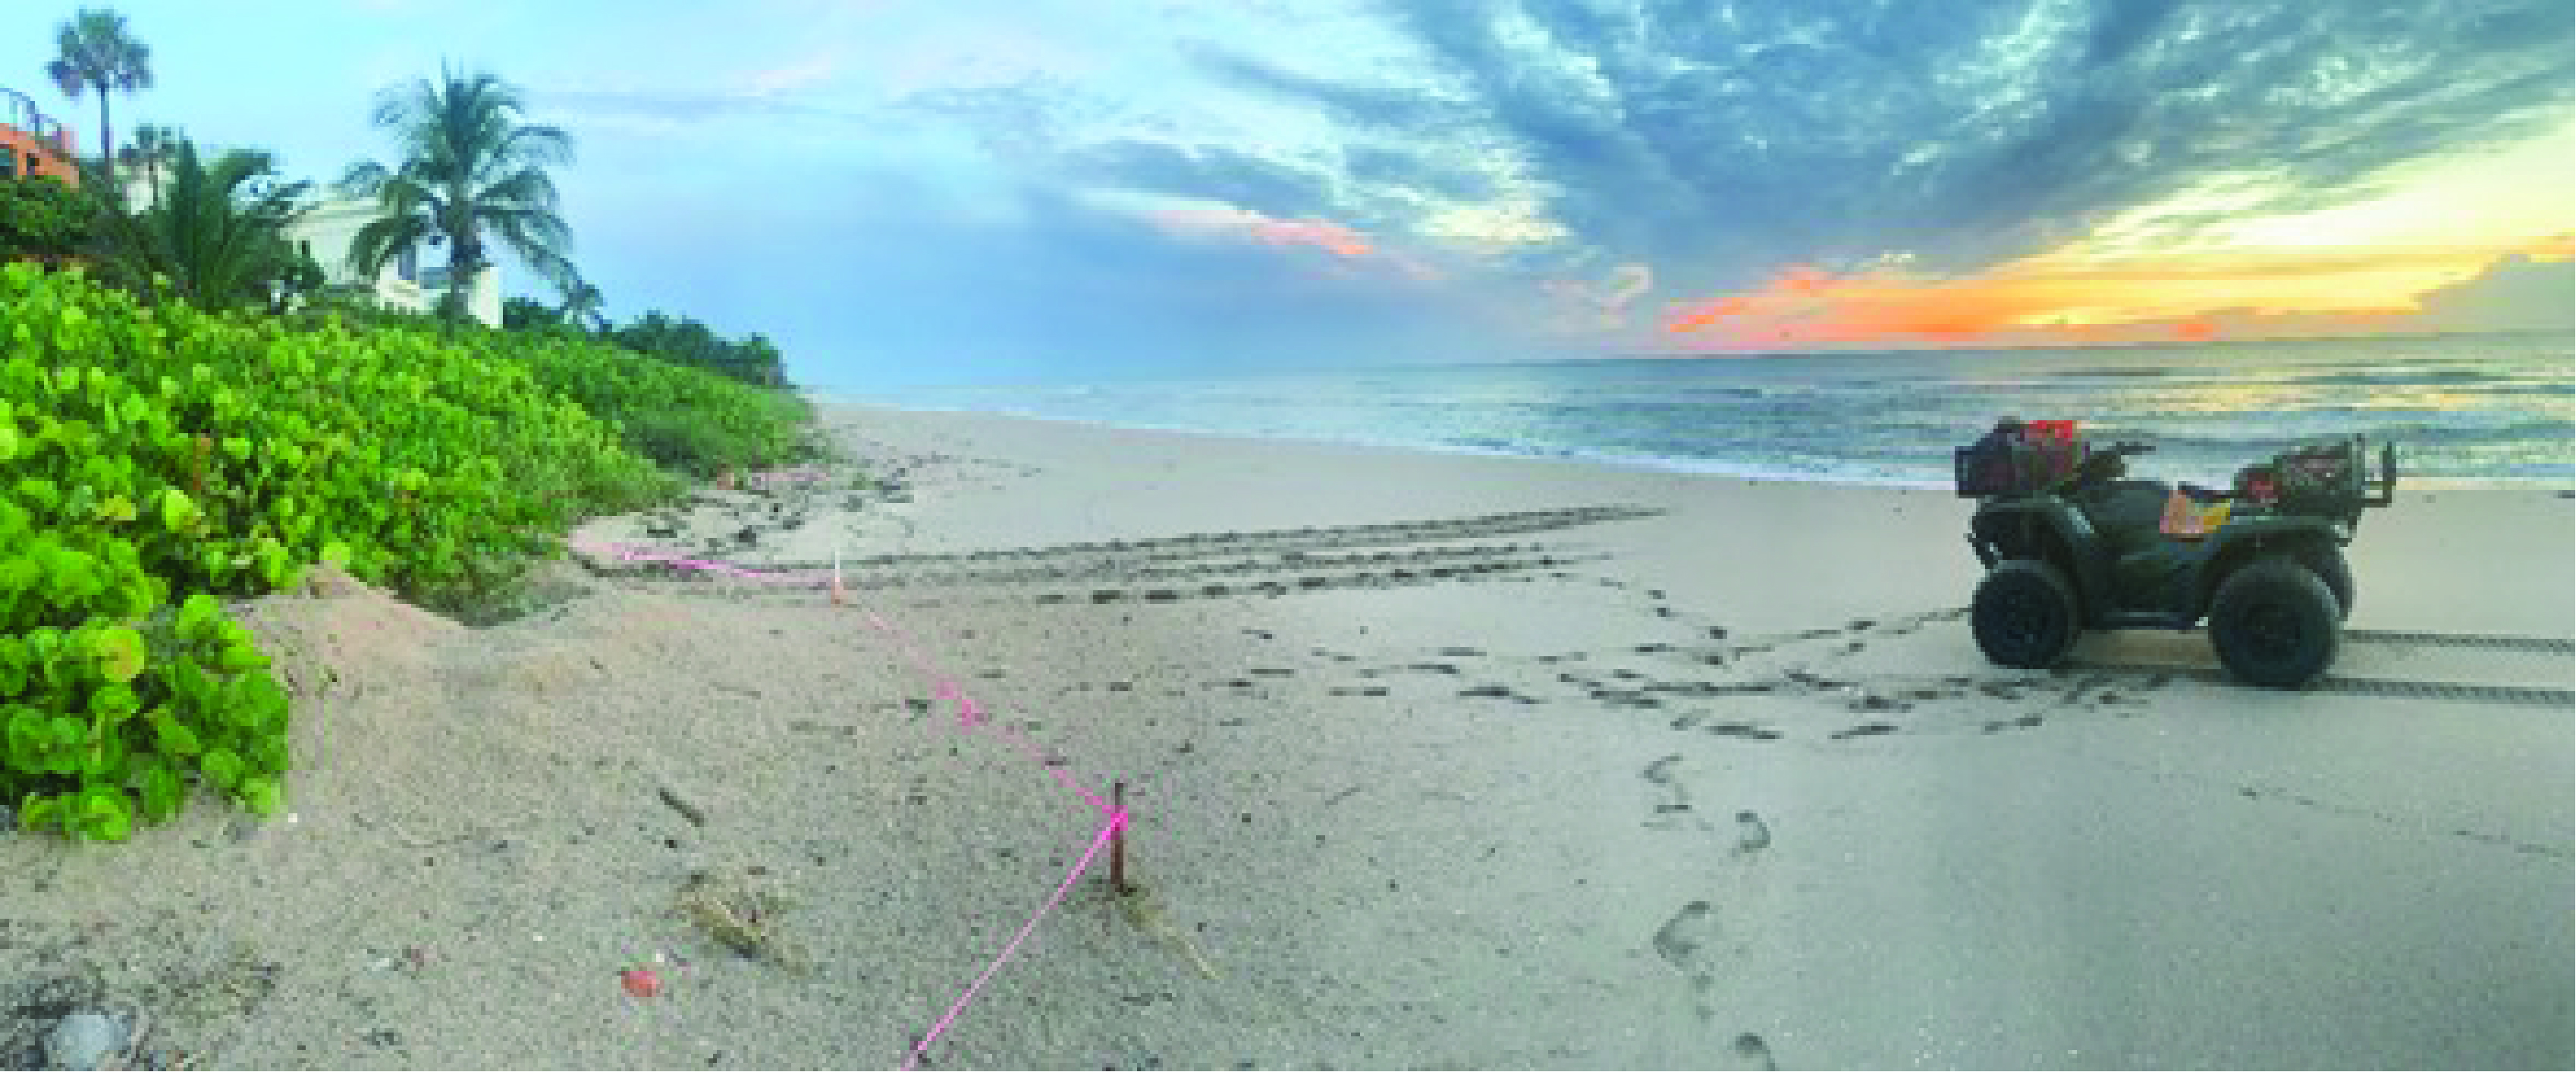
[{"x": 2466, "y": 411}]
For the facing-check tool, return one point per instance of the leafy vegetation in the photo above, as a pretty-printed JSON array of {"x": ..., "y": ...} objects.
[
  {"x": 154, "y": 459},
  {"x": 44, "y": 218},
  {"x": 188, "y": 414},
  {"x": 688, "y": 343},
  {"x": 215, "y": 233}
]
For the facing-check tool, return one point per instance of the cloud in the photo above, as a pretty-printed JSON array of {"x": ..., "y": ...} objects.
[
  {"x": 1208, "y": 172},
  {"x": 1605, "y": 306},
  {"x": 1495, "y": 177},
  {"x": 1718, "y": 141},
  {"x": 804, "y": 73},
  {"x": 1235, "y": 222},
  {"x": 937, "y": 289},
  {"x": 674, "y": 108},
  {"x": 2517, "y": 292}
]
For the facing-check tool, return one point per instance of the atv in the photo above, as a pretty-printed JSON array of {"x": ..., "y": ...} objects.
[{"x": 2070, "y": 544}]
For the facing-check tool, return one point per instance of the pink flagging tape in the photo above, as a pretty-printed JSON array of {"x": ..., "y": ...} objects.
[
  {"x": 921, "y": 1048},
  {"x": 970, "y": 717}
]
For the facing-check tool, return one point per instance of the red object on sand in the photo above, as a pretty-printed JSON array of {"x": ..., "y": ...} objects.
[{"x": 641, "y": 982}]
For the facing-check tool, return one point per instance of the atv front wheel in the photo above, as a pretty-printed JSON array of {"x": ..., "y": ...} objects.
[
  {"x": 2275, "y": 623},
  {"x": 2025, "y": 615}
]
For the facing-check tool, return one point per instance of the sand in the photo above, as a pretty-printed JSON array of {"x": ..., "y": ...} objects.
[{"x": 1434, "y": 762}]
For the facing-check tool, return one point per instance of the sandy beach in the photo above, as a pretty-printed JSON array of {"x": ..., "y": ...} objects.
[{"x": 1433, "y": 762}]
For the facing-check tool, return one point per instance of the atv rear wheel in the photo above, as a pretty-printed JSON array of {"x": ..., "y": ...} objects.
[
  {"x": 2025, "y": 615},
  {"x": 2275, "y": 623}
]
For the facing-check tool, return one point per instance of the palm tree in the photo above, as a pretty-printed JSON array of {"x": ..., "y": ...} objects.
[
  {"x": 218, "y": 234},
  {"x": 152, "y": 149},
  {"x": 581, "y": 306},
  {"x": 471, "y": 173},
  {"x": 94, "y": 52}
]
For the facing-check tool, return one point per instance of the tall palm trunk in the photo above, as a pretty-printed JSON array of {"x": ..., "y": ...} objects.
[
  {"x": 106, "y": 142},
  {"x": 464, "y": 257}
]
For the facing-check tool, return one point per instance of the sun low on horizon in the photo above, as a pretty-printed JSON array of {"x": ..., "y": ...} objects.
[{"x": 1060, "y": 187}]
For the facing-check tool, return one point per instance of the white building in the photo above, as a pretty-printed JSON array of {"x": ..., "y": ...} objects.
[{"x": 326, "y": 231}]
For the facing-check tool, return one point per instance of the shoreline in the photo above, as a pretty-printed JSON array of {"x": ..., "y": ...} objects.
[
  {"x": 1435, "y": 762},
  {"x": 2562, "y": 487}
]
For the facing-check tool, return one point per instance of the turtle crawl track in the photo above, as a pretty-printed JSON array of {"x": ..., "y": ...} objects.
[
  {"x": 2407, "y": 688},
  {"x": 2511, "y": 695},
  {"x": 1267, "y": 562},
  {"x": 1277, "y": 562},
  {"x": 2538, "y": 645}
]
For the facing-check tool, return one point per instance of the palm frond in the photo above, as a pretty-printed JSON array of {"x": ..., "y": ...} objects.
[
  {"x": 364, "y": 179},
  {"x": 527, "y": 189},
  {"x": 67, "y": 77},
  {"x": 382, "y": 239},
  {"x": 534, "y": 147},
  {"x": 218, "y": 233}
]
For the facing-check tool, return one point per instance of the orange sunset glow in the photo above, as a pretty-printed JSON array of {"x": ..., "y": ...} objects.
[
  {"x": 2374, "y": 265},
  {"x": 2182, "y": 298}
]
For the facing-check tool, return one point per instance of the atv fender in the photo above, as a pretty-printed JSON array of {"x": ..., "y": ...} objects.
[
  {"x": 2052, "y": 531},
  {"x": 2242, "y": 541}
]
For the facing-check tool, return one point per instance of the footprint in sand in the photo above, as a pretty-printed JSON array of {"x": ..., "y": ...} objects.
[
  {"x": 1756, "y": 1052},
  {"x": 1660, "y": 771},
  {"x": 1688, "y": 942},
  {"x": 1673, "y": 811},
  {"x": 1752, "y": 835},
  {"x": 1624, "y": 698}
]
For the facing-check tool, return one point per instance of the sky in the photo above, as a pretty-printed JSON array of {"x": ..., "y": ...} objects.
[{"x": 914, "y": 192}]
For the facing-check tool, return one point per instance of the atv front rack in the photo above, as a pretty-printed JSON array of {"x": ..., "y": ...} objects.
[{"x": 2015, "y": 467}]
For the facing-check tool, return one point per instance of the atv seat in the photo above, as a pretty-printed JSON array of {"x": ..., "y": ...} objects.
[{"x": 2127, "y": 512}]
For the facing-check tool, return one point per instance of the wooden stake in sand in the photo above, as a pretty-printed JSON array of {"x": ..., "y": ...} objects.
[
  {"x": 1139, "y": 905},
  {"x": 1118, "y": 841},
  {"x": 840, "y": 596}
]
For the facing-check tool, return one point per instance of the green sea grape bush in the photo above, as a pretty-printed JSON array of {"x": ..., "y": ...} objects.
[{"x": 155, "y": 460}]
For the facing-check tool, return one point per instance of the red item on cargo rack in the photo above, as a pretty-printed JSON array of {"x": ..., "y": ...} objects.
[{"x": 2062, "y": 431}]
